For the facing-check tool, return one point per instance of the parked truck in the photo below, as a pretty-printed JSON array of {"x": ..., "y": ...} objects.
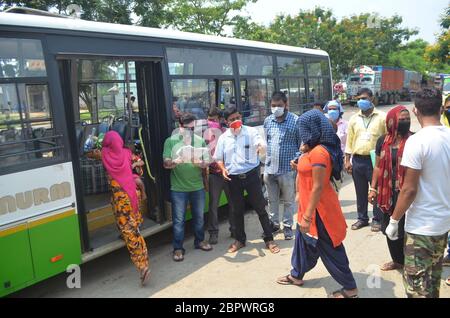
[{"x": 388, "y": 84}]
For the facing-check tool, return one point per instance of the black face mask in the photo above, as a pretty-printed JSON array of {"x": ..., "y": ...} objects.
[{"x": 403, "y": 127}]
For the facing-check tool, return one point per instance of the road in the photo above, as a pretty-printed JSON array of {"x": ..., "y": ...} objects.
[{"x": 249, "y": 273}]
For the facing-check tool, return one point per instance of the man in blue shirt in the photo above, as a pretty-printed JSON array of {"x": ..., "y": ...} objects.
[
  {"x": 283, "y": 144},
  {"x": 237, "y": 156}
]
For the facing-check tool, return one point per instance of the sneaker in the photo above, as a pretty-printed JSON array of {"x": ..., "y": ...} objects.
[
  {"x": 376, "y": 226},
  {"x": 213, "y": 239},
  {"x": 359, "y": 225},
  {"x": 288, "y": 235}
]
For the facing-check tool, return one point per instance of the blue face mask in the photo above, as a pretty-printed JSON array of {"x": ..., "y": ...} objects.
[
  {"x": 364, "y": 104},
  {"x": 334, "y": 114},
  {"x": 447, "y": 112}
]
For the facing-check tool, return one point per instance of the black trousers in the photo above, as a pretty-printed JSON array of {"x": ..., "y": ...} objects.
[
  {"x": 252, "y": 184},
  {"x": 396, "y": 248},
  {"x": 362, "y": 176}
]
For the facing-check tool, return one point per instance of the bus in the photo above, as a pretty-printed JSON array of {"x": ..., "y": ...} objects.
[{"x": 64, "y": 81}]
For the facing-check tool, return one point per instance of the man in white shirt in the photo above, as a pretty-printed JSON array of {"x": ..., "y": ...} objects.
[{"x": 425, "y": 199}]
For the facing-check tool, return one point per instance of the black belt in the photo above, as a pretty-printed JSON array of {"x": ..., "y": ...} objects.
[
  {"x": 362, "y": 156},
  {"x": 244, "y": 175}
]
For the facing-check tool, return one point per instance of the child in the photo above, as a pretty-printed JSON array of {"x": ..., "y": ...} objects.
[{"x": 138, "y": 172}]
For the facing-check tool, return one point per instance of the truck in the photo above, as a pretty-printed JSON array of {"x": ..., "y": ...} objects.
[{"x": 388, "y": 84}]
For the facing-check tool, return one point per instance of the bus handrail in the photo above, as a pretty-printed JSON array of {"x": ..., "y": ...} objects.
[
  {"x": 30, "y": 152},
  {"x": 28, "y": 140}
]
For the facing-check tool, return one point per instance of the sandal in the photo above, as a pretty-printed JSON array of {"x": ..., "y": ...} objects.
[
  {"x": 343, "y": 293},
  {"x": 391, "y": 266},
  {"x": 178, "y": 255},
  {"x": 447, "y": 281},
  {"x": 145, "y": 277},
  {"x": 204, "y": 246},
  {"x": 235, "y": 246},
  {"x": 287, "y": 280},
  {"x": 273, "y": 247}
]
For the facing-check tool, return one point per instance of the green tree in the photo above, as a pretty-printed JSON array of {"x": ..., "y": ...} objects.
[
  {"x": 438, "y": 54},
  {"x": 351, "y": 41}
]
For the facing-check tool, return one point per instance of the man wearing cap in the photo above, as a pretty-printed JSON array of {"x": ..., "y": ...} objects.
[{"x": 364, "y": 129}]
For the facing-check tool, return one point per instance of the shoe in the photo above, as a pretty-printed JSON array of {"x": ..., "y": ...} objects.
[
  {"x": 213, "y": 239},
  {"x": 288, "y": 235},
  {"x": 359, "y": 225},
  {"x": 235, "y": 246},
  {"x": 376, "y": 226}
]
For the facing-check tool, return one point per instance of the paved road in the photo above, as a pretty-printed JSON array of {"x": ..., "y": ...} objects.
[{"x": 249, "y": 273}]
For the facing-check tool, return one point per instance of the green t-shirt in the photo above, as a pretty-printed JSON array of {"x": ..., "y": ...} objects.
[{"x": 185, "y": 177}]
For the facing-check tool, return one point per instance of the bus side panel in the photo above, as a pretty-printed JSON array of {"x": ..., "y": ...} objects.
[
  {"x": 16, "y": 266},
  {"x": 55, "y": 245}
]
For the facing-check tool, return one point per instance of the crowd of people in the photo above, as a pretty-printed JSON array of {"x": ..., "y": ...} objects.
[{"x": 304, "y": 158}]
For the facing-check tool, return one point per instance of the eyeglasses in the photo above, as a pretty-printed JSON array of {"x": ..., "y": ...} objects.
[{"x": 231, "y": 119}]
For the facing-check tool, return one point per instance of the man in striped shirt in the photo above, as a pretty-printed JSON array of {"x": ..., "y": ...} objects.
[{"x": 283, "y": 143}]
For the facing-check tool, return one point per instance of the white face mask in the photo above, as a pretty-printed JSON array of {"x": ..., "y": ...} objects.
[{"x": 277, "y": 111}]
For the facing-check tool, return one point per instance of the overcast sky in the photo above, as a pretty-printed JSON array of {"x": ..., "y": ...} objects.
[{"x": 423, "y": 15}]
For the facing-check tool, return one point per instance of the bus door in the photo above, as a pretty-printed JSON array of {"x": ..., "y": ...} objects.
[{"x": 106, "y": 94}]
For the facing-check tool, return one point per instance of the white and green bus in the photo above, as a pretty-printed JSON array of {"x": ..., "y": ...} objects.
[{"x": 63, "y": 80}]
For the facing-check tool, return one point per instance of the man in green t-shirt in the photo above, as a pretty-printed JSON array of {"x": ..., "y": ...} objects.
[{"x": 186, "y": 155}]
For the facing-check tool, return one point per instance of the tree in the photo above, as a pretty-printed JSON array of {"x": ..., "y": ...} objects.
[
  {"x": 438, "y": 54},
  {"x": 350, "y": 42},
  {"x": 411, "y": 56}
]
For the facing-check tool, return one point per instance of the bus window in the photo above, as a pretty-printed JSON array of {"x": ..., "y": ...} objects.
[
  {"x": 317, "y": 67},
  {"x": 184, "y": 61},
  {"x": 290, "y": 66},
  {"x": 255, "y": 64},
  {"x": 26, "y": 126},
  {"x": 195, "y": 96},
  {"x": 295, "y": 90},
  {"x": 21, "y": 58},
  {"x": 255, "y": 99}
]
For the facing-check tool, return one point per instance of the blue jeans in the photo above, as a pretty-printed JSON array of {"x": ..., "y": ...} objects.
[
  {"x": 281, "y": 188},
  {"x": 179, "y": 205}
]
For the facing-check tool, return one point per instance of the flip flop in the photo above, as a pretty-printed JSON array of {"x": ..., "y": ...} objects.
[
  {"x": 343, "y": 293},
  {"x": 447, "y": 281},
  {"x": 273, "y": 247},
  {"x": 286, "y": 280}
]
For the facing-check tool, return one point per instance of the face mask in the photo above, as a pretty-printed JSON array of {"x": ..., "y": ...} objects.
[
  {"x": 364, "y": 104},
  {"x": 403, "y": 127},
  {"x": 447, "y": 113},
  {"x": 334, "y": 114},
  {"x": 277, "y": 111},
  {"x": 213, "y": 124},
  {"x": 236, "y": 124}
]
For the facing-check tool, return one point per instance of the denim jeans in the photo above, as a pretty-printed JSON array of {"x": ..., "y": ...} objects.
[
  {"x": 179, "y": 205},
  {"x": 281, "y": 188}
]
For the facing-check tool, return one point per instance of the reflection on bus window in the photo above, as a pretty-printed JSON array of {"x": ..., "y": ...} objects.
[
  {"x": 195, "y": 96},
  {"x": 255, "y": 99},
  {"x": 21, "y": 58},
  {"x": 294, "y": 88},
  {"x": 184, "y": 61},
  {"x": 103, "y": 90},
  {"x": 26, "y": 127}
]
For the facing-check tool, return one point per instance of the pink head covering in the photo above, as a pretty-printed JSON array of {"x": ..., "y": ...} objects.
[{"x": 117, "y": 161}]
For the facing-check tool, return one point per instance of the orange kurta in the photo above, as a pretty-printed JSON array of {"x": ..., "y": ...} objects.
[{"x": 329, "y": 208}]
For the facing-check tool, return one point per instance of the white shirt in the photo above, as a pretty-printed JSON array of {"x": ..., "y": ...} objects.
[
  {"x": 429, "y": 151},
  {"x": 239, "y": 152}
]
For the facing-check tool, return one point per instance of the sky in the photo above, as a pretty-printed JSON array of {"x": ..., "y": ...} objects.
[{"x": 423, "y": 15}]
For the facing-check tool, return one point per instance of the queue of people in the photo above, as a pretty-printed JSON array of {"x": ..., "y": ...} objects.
[{"x": 407, "y": 185}]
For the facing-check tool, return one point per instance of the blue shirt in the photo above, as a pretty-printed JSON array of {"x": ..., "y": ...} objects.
[
  {"x": 283, "y": 143},
  {"x": 239, "y": 152}
]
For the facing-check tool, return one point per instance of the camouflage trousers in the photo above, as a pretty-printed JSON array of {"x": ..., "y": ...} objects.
[{"x": 423, "y": 265}]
